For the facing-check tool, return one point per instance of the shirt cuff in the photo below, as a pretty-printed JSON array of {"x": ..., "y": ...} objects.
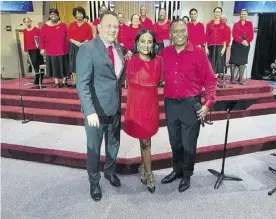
[{"x": 208, "y": 104}]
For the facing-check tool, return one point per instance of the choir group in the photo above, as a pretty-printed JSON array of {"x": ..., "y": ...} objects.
[{"x": 60, "y": 43}]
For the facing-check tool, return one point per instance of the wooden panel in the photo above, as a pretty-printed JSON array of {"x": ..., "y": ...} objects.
[{"x": 128, "y": 8}]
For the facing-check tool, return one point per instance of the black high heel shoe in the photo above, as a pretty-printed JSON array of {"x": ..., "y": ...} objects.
[{"x": 150, "y": 183}]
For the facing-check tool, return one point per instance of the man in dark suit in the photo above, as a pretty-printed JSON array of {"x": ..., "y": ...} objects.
[{"x": 100, "y": 65}]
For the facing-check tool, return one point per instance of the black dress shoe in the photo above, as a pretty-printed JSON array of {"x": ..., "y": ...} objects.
[
  {"x": 95, "y": 192},
  {"x": 171, "y": 177},
  {"x": 113, "y": 179},
  {"x": 184, "y": 184}
]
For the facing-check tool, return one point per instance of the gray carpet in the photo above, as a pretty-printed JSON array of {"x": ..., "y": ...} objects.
[{"x": 32, "y": 191}]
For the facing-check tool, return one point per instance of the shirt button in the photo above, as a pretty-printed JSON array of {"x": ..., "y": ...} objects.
[
  {"x": 177, "y": 63},
  {"x": 175, "y": 72},
  {"x": 175, "y": 81}
]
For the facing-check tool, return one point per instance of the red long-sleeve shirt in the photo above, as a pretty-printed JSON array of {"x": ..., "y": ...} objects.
[
  {"x": 187, "y": 73},
  {"x": 216, "y": 34},
  {"x": 28, "y": 36},
  {"x": 162, "y": 32},
  {"x": 54, "y": 39},
  {"x": 147, "y": 23},
  {"x": 196, "y": 33},
  {"x": 122, "y": 32},
  {"x": 228, "y": 33},
  {"x": 129, "y": 39},
  {"x": 240, "y": 30},
  {"x": 80, "y": 33}
]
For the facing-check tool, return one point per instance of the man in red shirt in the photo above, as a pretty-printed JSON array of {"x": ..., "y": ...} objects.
[
  {"x": 187, "y": 71},
  {"x": 144, "y": 20},
  {"x": 196, "y": 29},
  {"x": 122, "y": 29}
]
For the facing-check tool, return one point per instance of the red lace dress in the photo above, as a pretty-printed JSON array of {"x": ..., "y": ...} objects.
[{"x": 142, "y": 109}]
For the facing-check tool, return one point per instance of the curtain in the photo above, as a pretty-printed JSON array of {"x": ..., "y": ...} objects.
[{"x": 265, "y": 50}]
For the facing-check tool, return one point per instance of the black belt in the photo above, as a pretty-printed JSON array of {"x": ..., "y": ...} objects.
[{"x": 184, "y": 99}]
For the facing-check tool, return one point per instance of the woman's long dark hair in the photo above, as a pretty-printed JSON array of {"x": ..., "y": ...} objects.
[{"x": 154, "y": 46}]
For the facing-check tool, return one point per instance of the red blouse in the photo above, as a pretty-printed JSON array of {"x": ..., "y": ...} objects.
[
  {"x": 147, "y": 23},
  {"x": 228, "y": 33},
  {"x": 29, "y": 42},
  {"x": 243, "y": 30},
  {"x": 80, "y": 33},
  {"x": 54, "y": 39},
  {"x": 122, "y": 32},
  {"x": 187, "y": 73},
  {"x": 196, "y": 33},
  {"x": 162, "y": 31},
  {"x": 216, "y": 34},
  {"x": 129, "y": 39}
]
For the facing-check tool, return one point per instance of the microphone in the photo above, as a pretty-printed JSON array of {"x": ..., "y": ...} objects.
[{"x": 197, "y": 107}]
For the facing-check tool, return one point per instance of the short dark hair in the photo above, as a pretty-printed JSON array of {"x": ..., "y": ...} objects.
[
  {"x": 176, "y": 21},
  {"x": 53, "y": 10},
  {"x": 132, "y": 17},
  {"x": 26, "y": 18},
  {"x": 193, "y": 9},
  {"x": 154, "y": 46},
  {"x": 80, "y": 10},
  {"x": 217, "y": 8},
  {"x": 244, "y": 9},
  {"x": 186, "y": 17},
  {"x": 86, "y": 17},
  {"x": 108, "y": 12}
]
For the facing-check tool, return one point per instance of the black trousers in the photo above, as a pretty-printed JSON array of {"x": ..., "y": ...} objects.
[
  {"x": 183, "y": 127},
  {"x": 110, "y": 129}
]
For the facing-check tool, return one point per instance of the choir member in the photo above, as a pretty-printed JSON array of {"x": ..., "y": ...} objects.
[
  {"x": 228, "y": 30},
  {"x": 144, "y": 20},
  {"x": 96, "y": 22},
  {"x": 122, "y": 29},
  {"x": 132, "y": 31},
  {"x": 162, "y": 28},
  {"x": 216, "y": 37},
  {"x": 54, "y": 43},
  {"x": 186, "y": 19},
  {"x": 196, "y": 31},
  {"x": 79, "y": 32},
  {"x": 243, "y": 33},
  {"x": 144, "y": 72},
  {"x": 30, "y": 47}
]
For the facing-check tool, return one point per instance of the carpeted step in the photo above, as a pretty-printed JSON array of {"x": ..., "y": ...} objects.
[
  {"x": 76, "y": 118},
  {"x": 130, "y": 165},
  {"x": 74, "y": 105},
  {"x": 67, "y": 93}
]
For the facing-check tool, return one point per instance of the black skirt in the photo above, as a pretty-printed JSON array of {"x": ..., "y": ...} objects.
[
  {"x": 73, "y": 51},
  {"x": 217, "y": 61},
  {"x": 57, "y": 66},
  {"x": 36, "y": 59},
  {"x": 239, "y": 53}
]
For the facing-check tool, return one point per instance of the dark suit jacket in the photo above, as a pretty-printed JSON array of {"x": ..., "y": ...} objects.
[{"x": 99, "y": 88}]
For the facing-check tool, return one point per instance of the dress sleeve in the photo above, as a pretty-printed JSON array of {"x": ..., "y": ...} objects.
[{"x": 42, "y": 35}]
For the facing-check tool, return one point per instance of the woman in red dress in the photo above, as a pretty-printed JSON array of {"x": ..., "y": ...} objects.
[{"x": 144, "y": 72}]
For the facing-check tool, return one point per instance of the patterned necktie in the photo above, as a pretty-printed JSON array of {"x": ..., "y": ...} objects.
[{"x": 111, "y": 55}]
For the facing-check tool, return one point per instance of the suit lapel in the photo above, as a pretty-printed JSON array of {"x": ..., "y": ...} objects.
[{"x": 103, "y": 52}]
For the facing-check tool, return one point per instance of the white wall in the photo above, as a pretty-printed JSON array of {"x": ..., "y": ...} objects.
[
  {"x": 228, "y": 8},
  {"x": 9, "y": 51}
]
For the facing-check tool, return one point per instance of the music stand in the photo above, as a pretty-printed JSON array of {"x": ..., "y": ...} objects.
[{"x": 229, "y": 106}]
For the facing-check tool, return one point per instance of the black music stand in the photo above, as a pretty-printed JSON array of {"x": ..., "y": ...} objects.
[
  {"x": 228, "y": 105},
  {"x": 273, "y": 171}
]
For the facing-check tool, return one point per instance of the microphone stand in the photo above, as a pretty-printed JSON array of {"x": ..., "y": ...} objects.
[{"x": 23, "y": 112}]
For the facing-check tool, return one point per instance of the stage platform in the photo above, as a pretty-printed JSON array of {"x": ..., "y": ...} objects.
[{"x": 61, "y": 140}]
